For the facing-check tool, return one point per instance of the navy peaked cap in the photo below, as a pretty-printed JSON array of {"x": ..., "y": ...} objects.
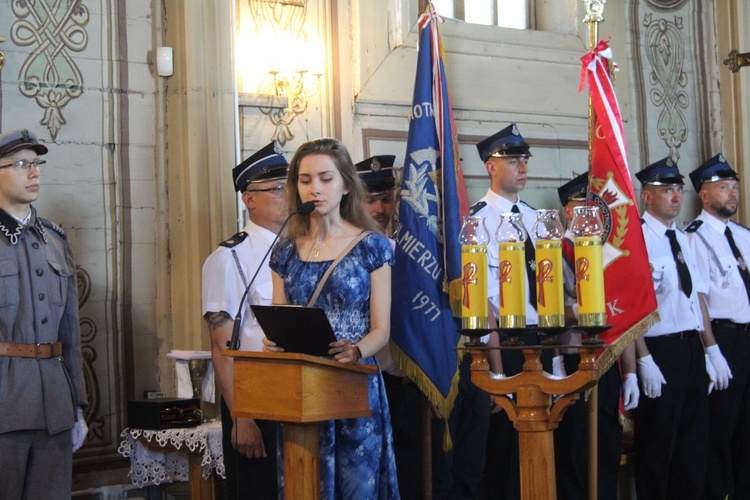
[
  {"x": 662, "y": 172},
  {"x": 507, "y": 142},
  {"x": 378, "y": 174},
  {"x": 574, "y": 189},
  {"x": 265, "y": 165},
  {"x": 715, "y": 169}
]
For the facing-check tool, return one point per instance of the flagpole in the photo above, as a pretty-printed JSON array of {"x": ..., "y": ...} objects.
[{"x": 594, "y": 11}]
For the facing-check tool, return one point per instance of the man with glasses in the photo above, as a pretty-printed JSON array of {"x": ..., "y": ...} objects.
[
  {"x": 42, "y": 392},
  {"x": 671, "y": 421},
  {"x": 249, "y": 445}
]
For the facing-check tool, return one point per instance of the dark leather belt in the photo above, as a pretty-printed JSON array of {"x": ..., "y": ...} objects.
[
  {"x": 38, "y": 351},
  {"x": 743, "y": 327},
  {"x": 687, "y": 334}
]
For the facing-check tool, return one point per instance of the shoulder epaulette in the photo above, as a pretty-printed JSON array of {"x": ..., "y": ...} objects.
[
  {"x": 521, "y": 201},
  {"x": 234, "y": 240},
  {"x": 51, "y": 225},
  {"x": 476, "y": 207},
  {"x": 693, "y": 226}
]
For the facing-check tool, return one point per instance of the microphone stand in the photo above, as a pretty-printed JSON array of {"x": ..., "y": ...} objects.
[{"x": 234, "y": 343}]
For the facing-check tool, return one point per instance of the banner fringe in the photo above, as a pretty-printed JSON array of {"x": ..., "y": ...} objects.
[
  {"x": 425, "y": 385},
  {"x": 608, "y": 357}
]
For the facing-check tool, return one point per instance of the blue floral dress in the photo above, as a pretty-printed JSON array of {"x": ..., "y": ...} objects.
[{"x": 356, "y": 455}]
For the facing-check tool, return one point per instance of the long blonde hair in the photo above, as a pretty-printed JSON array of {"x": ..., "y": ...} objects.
[{"x": 352, "y": 206}]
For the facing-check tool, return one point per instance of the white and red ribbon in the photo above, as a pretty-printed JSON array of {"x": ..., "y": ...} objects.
[{"x": 595, "y": 70}]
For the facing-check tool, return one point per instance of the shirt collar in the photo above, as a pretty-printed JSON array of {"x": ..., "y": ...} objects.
[
  {"x": 712, "y": 221},
  {"x": 12, "y": 228},
  {"x": 500, "y": 201},
  {"x": 259, "y": 232},
  {"x": 656, "y": 225}
]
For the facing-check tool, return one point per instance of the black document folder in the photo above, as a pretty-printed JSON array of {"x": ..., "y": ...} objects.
[{"x": 295, "y": 328}]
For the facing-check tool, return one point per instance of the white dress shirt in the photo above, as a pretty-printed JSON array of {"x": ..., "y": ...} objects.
[
  {"x": 223, "y": 285},
  {"x": 677, "y": 312},
  {"x": 727, "y": 297},
  {"x": 497, "y": 205}
]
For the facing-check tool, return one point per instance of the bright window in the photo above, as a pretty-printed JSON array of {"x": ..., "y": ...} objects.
[{"x": 505, "y": 13}]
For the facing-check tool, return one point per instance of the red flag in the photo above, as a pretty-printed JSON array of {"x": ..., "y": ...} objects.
[{"x": 631, "y": 309}]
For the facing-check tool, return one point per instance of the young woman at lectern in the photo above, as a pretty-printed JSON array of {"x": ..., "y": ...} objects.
[{"x": 357, "y": 459}]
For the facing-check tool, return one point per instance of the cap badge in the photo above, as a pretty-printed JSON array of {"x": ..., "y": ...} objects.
[
  {"x": 25, "y": 135},
  {"x": 670, "y": 163},
  {"x": 375, "y": 165},
  {"x": 721, "y": 158},
  {"x": 514, "y": 130},
  {"x": 276, "y": 148}
]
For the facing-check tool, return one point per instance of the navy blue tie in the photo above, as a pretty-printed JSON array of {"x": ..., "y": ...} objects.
[
  {"x": 530, "y": 262},
  {"x": 741, "y": 265},
  {"x": 682, "y": 269}
]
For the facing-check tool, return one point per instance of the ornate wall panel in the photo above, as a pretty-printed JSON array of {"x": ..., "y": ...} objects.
[
  {"x": 674, "y": 86},
  {"x": 68, "y": 76}
]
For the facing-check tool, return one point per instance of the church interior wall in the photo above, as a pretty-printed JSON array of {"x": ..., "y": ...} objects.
[{"x": 139, "y": 171}]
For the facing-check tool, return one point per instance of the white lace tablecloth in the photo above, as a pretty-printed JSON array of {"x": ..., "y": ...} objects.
[{"x": 149, "y": 466}]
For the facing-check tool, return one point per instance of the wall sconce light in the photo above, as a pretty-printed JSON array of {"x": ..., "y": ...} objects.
[
  {"x": 298, "y": 87},
  {"x": 279, "y": 64},
  {"x": 735, "y": 60}
]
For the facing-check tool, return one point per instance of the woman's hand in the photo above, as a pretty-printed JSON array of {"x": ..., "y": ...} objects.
[
  {"x": 270, "y": 346},
  {"x": 344, "y": 351}
]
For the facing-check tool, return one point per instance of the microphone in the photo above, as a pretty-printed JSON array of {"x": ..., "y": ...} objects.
[{"x": 234, "y": 344}]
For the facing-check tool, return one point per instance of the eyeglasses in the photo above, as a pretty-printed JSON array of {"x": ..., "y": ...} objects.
[
  {"x": 24, "y": 165},
  {"x": 277, "y": 190}
]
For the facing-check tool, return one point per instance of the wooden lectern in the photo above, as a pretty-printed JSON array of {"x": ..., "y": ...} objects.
[{"x": 299, "y": 390}]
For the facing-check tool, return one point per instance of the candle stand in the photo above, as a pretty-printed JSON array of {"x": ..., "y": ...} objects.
[{"x": 531, "y": 409}]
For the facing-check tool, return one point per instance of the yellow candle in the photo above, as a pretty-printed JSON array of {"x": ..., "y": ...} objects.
[
  {"x": 549, "y": 283},
  {"x": 512, "y": 273},
  {"x": 590, "y": 281},
  {"x": 474, "y": 286}
]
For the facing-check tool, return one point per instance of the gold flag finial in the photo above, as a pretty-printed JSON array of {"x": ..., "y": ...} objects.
[{"x": 594, "y": 10}]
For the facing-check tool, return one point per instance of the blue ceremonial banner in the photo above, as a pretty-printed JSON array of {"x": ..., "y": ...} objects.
[{"x": 428, "y": 255}]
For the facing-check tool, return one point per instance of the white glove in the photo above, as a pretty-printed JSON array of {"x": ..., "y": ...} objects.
[
  {"x": 711, "y": 374},
  {"x": 720, "y": 365},
  {"x": 630, "y": 392},
  {"x": 558, "y": 367},
  {"x": 651, "y": 377},
  {"x": 79, "y": 430}
]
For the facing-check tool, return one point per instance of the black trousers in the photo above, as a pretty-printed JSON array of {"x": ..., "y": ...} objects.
[
  {"x": 457, "y": 473},
  {"x": 405, "y": 403},
  {"x": 501, "y": 466},
  {"x": 572, "y": 438},
  {"x": 249, "y": 478},
  {"x": 729, "y": 420},
  {"x": 671, "y": 431}
]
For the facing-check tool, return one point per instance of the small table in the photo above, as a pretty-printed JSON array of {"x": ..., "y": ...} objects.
[{"x": 190, "y": 454}]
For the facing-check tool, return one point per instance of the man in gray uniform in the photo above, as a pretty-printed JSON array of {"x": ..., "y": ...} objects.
[
  {"x": 42, "y": 391},
  {"x": 722, "y": 248},
  {"x": 249, "y": 445}
]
